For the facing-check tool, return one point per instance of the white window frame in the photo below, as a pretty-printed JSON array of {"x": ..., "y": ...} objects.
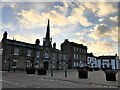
[
  {"x": 14, "y": 66},
  {"x": 28, "y": 63},
  {"x": 74, "y": 56},
  {"x": 54, "y": 55},
  {"x": 74, "y": 63},
  {"x": 74, "y": 48},
  {"x": 46, "y": 55},
  {"x": 16, "y": 51},
  {"x": 37, "y": 64},
  {"x": 29, "y": 52},
  {"x": 64, "y": 57},
  {"x": 38, "y": 54},
  {"x": 60, "y": 56}
]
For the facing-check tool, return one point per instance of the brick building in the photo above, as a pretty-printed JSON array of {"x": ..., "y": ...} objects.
[
  {"x": 22, "y": 54},
  {"x": 77, "y": 53}
]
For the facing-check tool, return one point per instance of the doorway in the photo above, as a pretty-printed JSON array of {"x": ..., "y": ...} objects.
[{"x": 46, "y": 65}]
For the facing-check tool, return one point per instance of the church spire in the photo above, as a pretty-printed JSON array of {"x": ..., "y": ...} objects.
[{"x": 48, "y": 31}]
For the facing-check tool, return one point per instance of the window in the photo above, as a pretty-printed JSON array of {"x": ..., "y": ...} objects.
[
  {"x": 64, "y": 57},
  {"x": 16, "y": 51},
  {"x": 77, "y": 49},
  {"x": 28, "y": 64},
  {"x": 74, "y": 49},
  {"x": 14, "y": 64},
  {"x": 60, "y": 56},
  {"x": 38, "y": 54},
  {"x": 46, "y": 55},
  {"x": 29, "y": 53},
  {"x": 101, "y": 61},
  {"x": 37, "y": 64},
  {"x": 109, "y": 61},
  {"x": 74, "y": 56},
  {"x": 74, "y": 64},
  {"x": 1, "y": 51},
  {"x": 53, "y": 55},
  {"x": 80, "y": 50}
]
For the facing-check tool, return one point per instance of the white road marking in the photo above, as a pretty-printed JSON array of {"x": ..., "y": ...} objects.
[{"x": 21, "y": 85}]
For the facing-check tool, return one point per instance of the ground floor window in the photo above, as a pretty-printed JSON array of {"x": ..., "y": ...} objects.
[
  {"x": 14, "y": 64},
  {"x": 28, "y": 64},
  {"x": 37, "y": 64}
]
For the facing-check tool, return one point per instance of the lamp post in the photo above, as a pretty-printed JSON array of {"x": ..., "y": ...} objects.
[
  {"x": 66, "y": 69},
  {"x": 9, "y": 64}
]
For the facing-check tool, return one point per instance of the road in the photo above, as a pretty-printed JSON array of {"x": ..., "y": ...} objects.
[{"x": 18, "y": 80}]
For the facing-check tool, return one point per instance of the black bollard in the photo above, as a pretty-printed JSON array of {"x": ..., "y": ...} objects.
[
  {"x": 65, "y": 73},
  {"x": 51, "y": 72},
  {"x": 13, "y": 69}
]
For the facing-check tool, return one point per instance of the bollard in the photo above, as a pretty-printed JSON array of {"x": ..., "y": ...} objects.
[
  {"x": 51, "y": 72},
  {"x": 13, "y": 69},
  {"x": 65, "y": 73}
]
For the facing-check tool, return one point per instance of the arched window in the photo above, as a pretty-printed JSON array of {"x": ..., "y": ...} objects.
[{"x": 46, "y": 55}]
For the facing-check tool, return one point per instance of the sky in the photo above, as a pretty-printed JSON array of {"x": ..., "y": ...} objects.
[{"x": 93, "y": 24}]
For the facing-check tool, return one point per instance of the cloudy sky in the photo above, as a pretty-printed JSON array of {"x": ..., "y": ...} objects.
[{"x": 94, "y": 24}]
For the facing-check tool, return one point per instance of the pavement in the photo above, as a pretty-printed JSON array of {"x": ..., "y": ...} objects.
[{"x": 95, "y": 78}]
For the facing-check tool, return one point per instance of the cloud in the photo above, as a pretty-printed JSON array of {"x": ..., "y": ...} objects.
[
  {"x": 55, "y": 32},
  {"x": 24, "y": 37},
  {"x": 111, "y": 21},
  {"x": 107, "y": 48},
  {"x": 78, "y": 16},
  {"x": 95, "y": 46},
  {"x": 10, "y": 4},
  {"x": 114, "y": 34},
  {"x": 8, "y": 26},
  {"x": 101, "y": 8},
  {"x": 30, "y": 19},
  {"x": 99, "y": 30}
]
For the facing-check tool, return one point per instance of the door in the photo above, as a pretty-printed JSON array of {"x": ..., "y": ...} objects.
[{"x": 46, "y": 65}]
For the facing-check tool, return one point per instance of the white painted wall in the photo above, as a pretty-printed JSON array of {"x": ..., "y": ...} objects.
[
  {"x": 91, "y": 61},
  {"x": 112, "y": 63}
]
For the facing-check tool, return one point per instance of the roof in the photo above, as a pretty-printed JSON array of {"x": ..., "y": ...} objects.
[
  {"x": 107, "y": 57},
  {"x": 90, "y": 55},
  {"x": 22, "y": 44},
  {"x": 75, "y": 44}
]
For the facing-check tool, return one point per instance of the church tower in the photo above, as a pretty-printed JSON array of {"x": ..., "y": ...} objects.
[{"x": 47, "y": 40}]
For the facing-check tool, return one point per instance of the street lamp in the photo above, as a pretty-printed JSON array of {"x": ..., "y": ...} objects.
[{"x": 66, "y": 69}]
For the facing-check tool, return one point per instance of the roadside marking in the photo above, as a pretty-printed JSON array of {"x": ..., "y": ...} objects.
[{"x": 21, "y": 85}]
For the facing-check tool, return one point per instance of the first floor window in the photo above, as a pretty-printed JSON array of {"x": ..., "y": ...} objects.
[
  {"x": 60, "y": 56},
  {"x": 74, "y": 64},
  {"x": 74, "y": 56},
  {"x": 53, "y": 55},
  {"x": 16, "y": 51},
  {"x": 46, "y": 55},
  {"x": 29, "y": 53},
  {"x": 38, "y": 54},
  {"x": 64, "y": 57}
]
